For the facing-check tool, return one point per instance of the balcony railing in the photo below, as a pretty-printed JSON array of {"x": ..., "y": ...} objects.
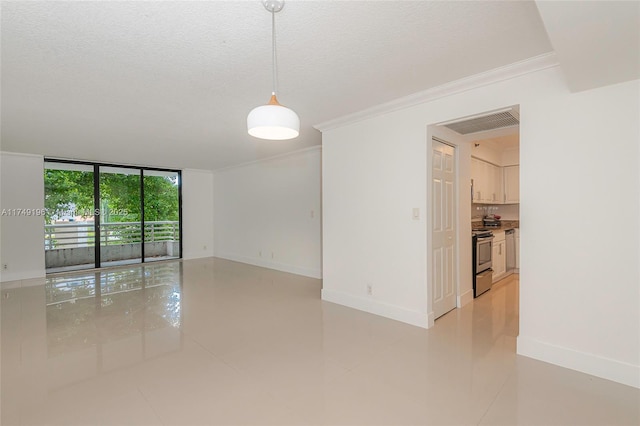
[{"x": 72, "y": 235}]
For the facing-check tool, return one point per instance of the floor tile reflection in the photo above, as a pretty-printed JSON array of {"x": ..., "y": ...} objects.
[{"x": 210, "y": 341}]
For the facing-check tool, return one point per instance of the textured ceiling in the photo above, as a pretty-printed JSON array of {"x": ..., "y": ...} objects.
[{"x": 170, "y": 83}]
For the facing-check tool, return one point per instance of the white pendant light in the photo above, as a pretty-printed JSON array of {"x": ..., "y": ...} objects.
[{"x": 273, "y": 121}]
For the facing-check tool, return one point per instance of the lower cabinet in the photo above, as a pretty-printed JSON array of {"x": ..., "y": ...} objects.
[{"x": 499, "y": 256}]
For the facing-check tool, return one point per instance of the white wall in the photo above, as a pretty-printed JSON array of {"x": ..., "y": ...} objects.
[
  {"x": 580, "y": 288},
  {"x": 510, "y": 157},
  {"x": 22, "y": 236},
  {"x": 268, "y": 213},
  {"x": 487, "y": 153},
  {"x": 197, "y": 213},
  {"x": 572, "y": 147}
]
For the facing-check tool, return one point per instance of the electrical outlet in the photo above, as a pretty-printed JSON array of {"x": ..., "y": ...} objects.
[
  {"x": 369, "y": 289},
  {"x": 272, "y": 255},
  {"x": 5, "y": 266},
  {"x": 260, "y": 253},
  {"x": 204, "y": 247}
]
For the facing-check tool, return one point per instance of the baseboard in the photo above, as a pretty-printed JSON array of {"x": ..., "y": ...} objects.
[
  {"x": 465, "y": 298},
  {"x": 23, "y": 275},
  {"x": 10, "y": 285},
  {"x": 397, "y": 313},
  {"x": 431, "y": 319},
  {"x": 606, "y": 368},
  {"x": 292, "y": 269},
  {"x": 29, "y": 282},
  {"x": 197, "y": 255}
]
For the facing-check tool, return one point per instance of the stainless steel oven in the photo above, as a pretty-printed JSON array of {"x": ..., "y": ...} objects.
[
  {"x": 482, "y": 262},
  {"x": 484, "y": 248}
]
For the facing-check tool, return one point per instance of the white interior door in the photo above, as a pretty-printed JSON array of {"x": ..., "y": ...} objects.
[{"x": 443, "y": 235}]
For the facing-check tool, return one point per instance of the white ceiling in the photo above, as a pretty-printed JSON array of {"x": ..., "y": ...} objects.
[
  {"x": 597, "y": 43},
  {"x": 170, "y": 83},
  {"x": 500, "y": 143}
]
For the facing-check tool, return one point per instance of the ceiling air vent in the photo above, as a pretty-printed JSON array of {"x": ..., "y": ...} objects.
[{"x": 496, "y": 120}]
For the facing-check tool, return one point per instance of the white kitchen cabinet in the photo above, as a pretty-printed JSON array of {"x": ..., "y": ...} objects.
[
  {"x": 499, "y": 256},
  {"x": 511, "y": 184},
  {"x": 479, "y": 176},
  {"x": 496, "y": 190},
  {"x": 487, "y": 182},
  {"x": 494, "y": 184}
]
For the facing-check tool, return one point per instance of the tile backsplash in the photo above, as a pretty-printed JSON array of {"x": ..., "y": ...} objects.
[
  {"x": 509, "y": 214},
  {"x": 506, "y": 211}
]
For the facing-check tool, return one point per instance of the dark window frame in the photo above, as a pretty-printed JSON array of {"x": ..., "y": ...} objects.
[{"x": 96, "y": 198}]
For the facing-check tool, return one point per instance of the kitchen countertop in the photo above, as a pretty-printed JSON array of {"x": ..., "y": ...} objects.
[
  {"x": 506, "y": 225},
  {"x": 500, "y": 229}
]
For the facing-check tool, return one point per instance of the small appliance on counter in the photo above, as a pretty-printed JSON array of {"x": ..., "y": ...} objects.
[{"x": 491, "y": 221}]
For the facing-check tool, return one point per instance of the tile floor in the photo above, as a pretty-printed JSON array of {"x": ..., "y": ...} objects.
[{"x": 209, "y": 341}]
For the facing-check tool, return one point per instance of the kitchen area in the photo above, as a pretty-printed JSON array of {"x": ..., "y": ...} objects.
[
  {"x": 495, "y": 220},
  {"x": 491, "y": 143}
]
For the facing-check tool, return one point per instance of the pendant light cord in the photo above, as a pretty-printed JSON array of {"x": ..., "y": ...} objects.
[{"x": 273, "y": 49}]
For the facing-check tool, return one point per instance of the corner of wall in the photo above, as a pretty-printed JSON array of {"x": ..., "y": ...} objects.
[
  {"x": 605, "y": 368},
  {"x": 464, "y": 298},
  {"x": 397, "y": 313},
  {"x": 268, "y": 213},
  {"x": 197, "y": 214},
  {"x": 22, "y": 194}
]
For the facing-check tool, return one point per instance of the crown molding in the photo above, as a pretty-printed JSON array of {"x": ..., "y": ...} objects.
[
  {"x": 517, "y": 69},
  {"x": 273, "y": 157},
  {"x": 21, "y": 154}
]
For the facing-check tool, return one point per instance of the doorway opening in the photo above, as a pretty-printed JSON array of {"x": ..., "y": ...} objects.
[{"x": 488, "y": 196}]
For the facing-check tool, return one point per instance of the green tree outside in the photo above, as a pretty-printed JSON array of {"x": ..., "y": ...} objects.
[{"x": 67, "y": 190}]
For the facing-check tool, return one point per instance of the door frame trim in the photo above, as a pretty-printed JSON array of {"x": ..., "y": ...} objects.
[{"x": 429, "y": 224}]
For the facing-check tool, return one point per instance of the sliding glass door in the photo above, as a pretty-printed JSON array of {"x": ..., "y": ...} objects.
[
  {"x": 120, "y": 216},
  {"x": 132, "y": 213},
  {"x": 69, "y": 230},
  {"x": 161, "y": 215}
]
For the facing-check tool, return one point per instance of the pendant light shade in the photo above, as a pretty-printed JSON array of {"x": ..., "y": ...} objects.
[{"x": 273, "y": 121}]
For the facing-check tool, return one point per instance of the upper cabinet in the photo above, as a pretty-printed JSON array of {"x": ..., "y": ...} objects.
[
  {"x": 487, "y": 182},
  {"x": 494, "y": 184},
  {"x": 495, "y": 159},
  {"x": 497, "y": 183},
  {"x": 511, "y": 184},
  {"x": 478, "y": 177}
]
